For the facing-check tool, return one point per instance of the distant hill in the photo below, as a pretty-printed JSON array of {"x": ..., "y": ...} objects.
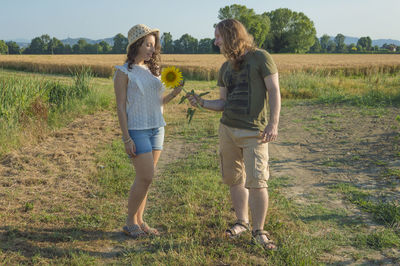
[
  {"x": 23, "y": 43},
  {"x": 71, "y": 41},
  {"x": 349, "y": 40},
  {"x": 381, "y": 42}
]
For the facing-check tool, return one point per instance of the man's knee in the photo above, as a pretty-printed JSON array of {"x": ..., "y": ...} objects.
[
  {"x": 232, "y": 179},
  {"x": 256, "y": 165}
]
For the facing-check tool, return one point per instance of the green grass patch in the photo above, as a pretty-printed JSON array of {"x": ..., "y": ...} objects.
[
  {"x": 116, "y": 173},
  {"x": 382, "y": 239},
  {"x": 392, "y": 173},
  {"x": 387, "y": 213},
  {"x": 371, "y": 90}
]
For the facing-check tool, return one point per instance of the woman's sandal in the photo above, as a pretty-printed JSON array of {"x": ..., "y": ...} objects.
[
  {"x": 134, "y": 231},
  {"x": 148, "y": 230},
  {"x": 268, "y": 244},
  {"x": 232, "y": 233}
]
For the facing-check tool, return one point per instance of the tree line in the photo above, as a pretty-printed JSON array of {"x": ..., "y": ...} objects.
[
  {"x": 364, "y": 45},
  {"x": 47, "y": 45},
  {"x": 279, "y": 31}
]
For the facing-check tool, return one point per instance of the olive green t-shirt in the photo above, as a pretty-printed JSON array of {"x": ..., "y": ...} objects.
[{"x": 246, "y": 105}]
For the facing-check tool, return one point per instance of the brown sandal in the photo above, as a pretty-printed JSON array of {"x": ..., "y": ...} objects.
[
  {"x": 148, "y": 230},
  {"x": 133, "y": 231},
  {"x": 232, "y": 233},
  {"x": 268, "y": 244}
]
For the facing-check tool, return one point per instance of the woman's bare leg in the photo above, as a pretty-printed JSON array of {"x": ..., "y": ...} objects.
[
  {"x": 139, "y": 213},
  {"x": 144, "y": 166}
]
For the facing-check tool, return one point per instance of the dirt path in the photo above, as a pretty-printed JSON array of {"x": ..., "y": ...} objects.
[{"x": 322, "y": 146}]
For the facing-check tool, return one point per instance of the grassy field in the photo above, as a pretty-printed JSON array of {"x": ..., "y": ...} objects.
[
  {"x": 205, "y": 67},
  {"x": 334, "y": 184},
  {"x": 32, "y": 102}
]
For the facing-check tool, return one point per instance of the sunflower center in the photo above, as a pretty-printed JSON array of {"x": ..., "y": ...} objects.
[{"x": 170, "y": 77}]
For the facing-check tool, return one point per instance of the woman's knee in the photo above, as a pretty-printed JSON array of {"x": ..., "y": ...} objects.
[
  {"x": 144, "y": 168},
  {"x": 145, "y": 179}
]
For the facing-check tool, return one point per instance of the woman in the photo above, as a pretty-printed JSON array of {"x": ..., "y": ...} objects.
[
  {"x": 139, "y": 98},
  {"x": 247, "y": 79}
]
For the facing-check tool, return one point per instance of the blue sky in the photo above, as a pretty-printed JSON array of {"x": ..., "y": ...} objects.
[{"x": 97, "y": 19}]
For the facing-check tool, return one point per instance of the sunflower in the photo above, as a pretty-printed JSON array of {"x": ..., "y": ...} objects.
[{"x": 171, "y": 77}]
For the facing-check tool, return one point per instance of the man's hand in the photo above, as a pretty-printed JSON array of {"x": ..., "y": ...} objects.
[
  {"x": 270, "y": 133},
  {"x": 195, "y": 99}
]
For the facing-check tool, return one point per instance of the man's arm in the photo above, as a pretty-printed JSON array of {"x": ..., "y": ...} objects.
[
  {"x": 274, "y": 99},
  {"x": 215, "y": 105}
]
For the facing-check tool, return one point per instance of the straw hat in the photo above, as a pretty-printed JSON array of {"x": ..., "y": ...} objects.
[{"x": 137, "y": 32}]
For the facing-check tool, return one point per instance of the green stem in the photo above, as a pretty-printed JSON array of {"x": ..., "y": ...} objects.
[{"x": 193, "y": 93}]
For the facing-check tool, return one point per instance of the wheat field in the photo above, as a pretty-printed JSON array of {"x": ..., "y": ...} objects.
[{"x": 205, "y": 67}]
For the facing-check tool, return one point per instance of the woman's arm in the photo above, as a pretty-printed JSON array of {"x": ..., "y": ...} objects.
[
  {"x": 120, "y": 87},
  {"x": 215, "y": 105},
  {"x": 167, "y": 98}
]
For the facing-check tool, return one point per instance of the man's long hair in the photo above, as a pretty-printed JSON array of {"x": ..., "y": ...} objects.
[{"x": 237, "y": 41}]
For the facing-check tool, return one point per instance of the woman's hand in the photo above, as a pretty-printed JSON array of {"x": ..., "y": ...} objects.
[
  {"x": 130, "y": 148},
  {"x": 177, "y": 90}
]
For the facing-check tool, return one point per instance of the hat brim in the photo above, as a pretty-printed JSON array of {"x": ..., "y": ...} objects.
[{"x": 141, "y": 36}]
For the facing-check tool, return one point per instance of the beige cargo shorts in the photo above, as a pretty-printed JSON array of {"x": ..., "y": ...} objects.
[{"x": 244, "y": 158}]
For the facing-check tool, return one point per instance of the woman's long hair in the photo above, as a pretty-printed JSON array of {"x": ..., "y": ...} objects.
[
  {"x": 237, "y": 41},
  {"x": 153, "y": 63}
]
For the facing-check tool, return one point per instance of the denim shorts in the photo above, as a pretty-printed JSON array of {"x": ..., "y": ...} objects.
[{"x": 147, "y": 140}]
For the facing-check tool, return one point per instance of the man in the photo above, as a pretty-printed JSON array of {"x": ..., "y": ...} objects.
[{"x": 245, "y": 80}]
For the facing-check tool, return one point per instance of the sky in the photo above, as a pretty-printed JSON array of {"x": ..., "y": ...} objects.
[{"x": 98, "y": 19}]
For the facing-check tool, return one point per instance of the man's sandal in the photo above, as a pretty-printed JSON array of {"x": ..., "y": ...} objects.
[
  {"x": 148, "y": 230},
  {"x": 268, "y": 244},
  {"x": 233, "y": 232},
  {"x": 134, "y": 231}
]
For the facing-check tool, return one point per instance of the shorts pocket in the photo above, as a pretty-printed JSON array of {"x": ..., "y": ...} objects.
[{"x": 261, "y": 167}]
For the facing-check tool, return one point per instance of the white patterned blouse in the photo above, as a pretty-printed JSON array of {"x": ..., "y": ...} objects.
[{"x": 143, "y": 98}]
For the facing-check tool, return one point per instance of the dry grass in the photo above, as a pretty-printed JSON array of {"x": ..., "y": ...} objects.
[
  {"x": 292, "y": 62},
  {"x": 205, "y": 67}
]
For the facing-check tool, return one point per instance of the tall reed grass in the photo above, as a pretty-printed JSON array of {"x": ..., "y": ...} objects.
[{"x": 25, "y": 101}]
